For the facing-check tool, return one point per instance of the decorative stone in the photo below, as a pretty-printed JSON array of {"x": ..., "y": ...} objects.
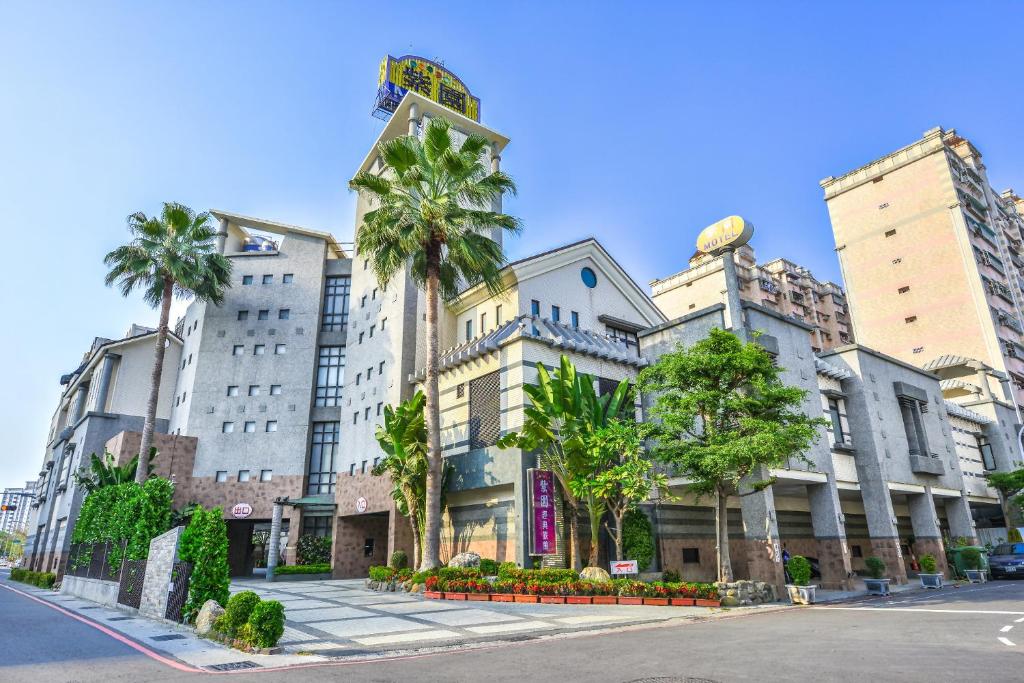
[
  {"x": 468, "y": 559},
  {"x": 207, "y": 615},
  {"x": 595, "y": 574},
  {"x": 417, "y": 588},
  {"x": 729, "y": 601}
]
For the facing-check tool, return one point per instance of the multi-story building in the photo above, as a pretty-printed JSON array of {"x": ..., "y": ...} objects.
[
  {"x": 16, "y": 502},
  {"x": 779, "y": 285},
  {"x": 932, "y": 257}
]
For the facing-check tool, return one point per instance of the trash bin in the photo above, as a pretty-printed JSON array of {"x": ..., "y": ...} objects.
[{"x": 958, "y": 558}]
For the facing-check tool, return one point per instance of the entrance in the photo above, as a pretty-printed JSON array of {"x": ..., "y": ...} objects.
[{"x": 248, "y": 544}]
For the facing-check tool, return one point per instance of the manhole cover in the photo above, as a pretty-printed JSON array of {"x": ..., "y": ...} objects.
[
  {"x": 169, "y": 636},
  {"x": 234, "y": 666}
]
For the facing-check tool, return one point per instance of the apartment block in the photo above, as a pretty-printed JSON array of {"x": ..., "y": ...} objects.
[
  {"x": 16, "y": 502},
  {"x": 779, "y": 285}
]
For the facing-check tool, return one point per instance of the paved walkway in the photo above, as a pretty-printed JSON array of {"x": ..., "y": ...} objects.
[{"x": 343, "y": 618}]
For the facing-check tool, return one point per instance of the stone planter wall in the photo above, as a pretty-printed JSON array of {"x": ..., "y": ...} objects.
[{"x": 744, "y": 593}]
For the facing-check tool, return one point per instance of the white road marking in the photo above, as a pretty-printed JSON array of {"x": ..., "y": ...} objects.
[
  {"x": 1019, "y": 621},
  {"x": 1007, "y": 641},
  {"x": 919, "y": 609},
  {"x": 1006, "y": 628}
]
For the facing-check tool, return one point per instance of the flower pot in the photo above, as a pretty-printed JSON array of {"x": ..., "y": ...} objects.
[
  {"x": 931, "y": 580},
  {"x": 623, "y": 600},
  {"x": 705, "y": 602},
  {"x": 503, "y": 597},
  {"x": 433, "y": 595},
  {"x": 976, "y": 575},
  {"x": 877, "y": 586},
  {"x": 479, "y": 597},
  {"x": 552, "y": 599},
  {"x": 800, "y": 595},
  {"x": 454, "y": 596},
  {"x": 657, "y": 602},
  {"x": 681, "y": 602},
  {"x": 604, "y": 599},
  {"x": 578, "y": 599},
  {"x": 527, "y": 598}
]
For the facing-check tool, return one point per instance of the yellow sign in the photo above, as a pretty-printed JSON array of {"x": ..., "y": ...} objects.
[
  {"x": 400, "y": 75},
  {"x": 727, "y": 233}
]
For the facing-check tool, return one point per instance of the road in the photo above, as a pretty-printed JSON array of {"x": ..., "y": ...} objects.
[{"x": 971, "y": 633}]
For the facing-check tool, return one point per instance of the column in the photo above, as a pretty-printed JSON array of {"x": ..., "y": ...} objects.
[
  {"x": 761, "y": 538},
  {"x": 982, "y": 379},
  {"x": 830, "y": 533},
  {"x": 961, "y": 521},
  {"x": 106, "y": 372},
  {"x": 521, "y": 500},
  {"x": 81, "y": 394},
  {"x": 414, "y": 118},
  {"x": 732, "y": 291},
  {"x": 400, "y": 536},
  {"x": 927, "y": 537},
  {"x": 885, "y": 538},
  {"x": 275, "y": 539},
  {"x": 910, "y": 426},
  {"x": 222, "y": 235}
]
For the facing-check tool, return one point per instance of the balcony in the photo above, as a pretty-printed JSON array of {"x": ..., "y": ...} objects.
[{"x": 922, "y": 464}]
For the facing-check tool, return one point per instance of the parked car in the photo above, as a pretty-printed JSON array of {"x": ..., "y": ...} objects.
[{"x": 1007, "y": 561}]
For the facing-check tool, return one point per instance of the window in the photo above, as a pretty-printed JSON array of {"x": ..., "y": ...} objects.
[
  {"x": 366, "y": 413},
  {"x": 380, "y": 368},
  {"x": 321, "y": 525},
  {"x": 988, "y": 461},
  {"x": 856, "y": 551},
  {"x": 247, "y": 279},
  {"x": 287, "y": 278},
  {"x": 369, "y": 374},
  {"x": 266, "y": 475},
  {"x": 336, "y": 293},
  {"x": 359, "y": 378},
  {"x": 382, "y": 322},
  {"x": 232, "y": 391},
  {"x": 227, "y": 427},
  {"x": 534, "y": 307},
  {"x": 323, "y": 448},
  {"x": 259, "y": 350},
  {"x": 284, "y": 314},
  {"x": 330, "y": 375},
  {"x": 355, "y": 417},
  {"x": 352, "y": 470},
  {"x": 275, "y": 389},
  {"x": 460, "y": 391},
  {"x": 469, "y": 329},
  {"x": 268, "y": 279},
  {"x": 243, "y": 475},
  {"x": 556, "y": 313},
  {"x": 497, "y": 315},
  {"x": 190, "y": 359},
  {"x": 483, "y": 323},
  {"x": 574, "y": 318},
  {"x": 280, "y": 349},
  {"x": 903, "y": 290},
  {"x": 237, "y": 350},
  {"x": 484, "y": 410},
  {"x": 380, "y": 407},
  {"x": 183, "y": 395},
  {"x": 243, "y": 315},
  {"x": 372, "y": 328},
  {"x": 254, "y": 389},
  {"x": 360, "y": 337},
  {"x": 589, "y": 277},
  {"x": 629, "y": 338},
  {"x": 374, "y": 295},
  {"x": 362, "y": 302},
  {"x": 222, "y": 476},
  {"x": 840, "y": 427},
  {"x": 250, "y": 427},
  {"x": 263, "y": 315},
  {"x": 913, "y": 426},
  {"x": 890, "y": 233},
  {"x": 362, "y": 467},
  {"x": 183, "y": 361},
  {"x": 691, "y": 555},
  {"x": 910, "y": 319},
  {"x": 271, "y": 425}
]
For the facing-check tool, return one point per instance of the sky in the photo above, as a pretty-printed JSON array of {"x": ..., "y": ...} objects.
[{"x": 636, "y": 123}]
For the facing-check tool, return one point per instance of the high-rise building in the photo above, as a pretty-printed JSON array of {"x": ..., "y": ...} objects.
[
  {"x": 932, "y": 260},
  {"x": 15, "y": 503}
]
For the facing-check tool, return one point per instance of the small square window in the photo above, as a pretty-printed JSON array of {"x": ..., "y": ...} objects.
[
  {"x": 284, "y": 314},
  {"x": 254, "y": 389},
  {"x": 352, "y": 470},
  {"x": 366, "y": 413},
  {"x": 250, "y": 427},
  {"x": 222, "y": 476},
  {"x": 362, "y": 467},
  {"x": 360, "y": 337},
  {"x": 380, "y": 407},
  {"x": 460, "y": 391},
  {"x": 232, "y": 391},
  {"x": 362, "y": 302},
  {"x": 359, "y": 378},
  {"x": 556, "y": 313},
  {"x": 380, "y": 368},
  {"x": 691, "y": 555},
  {"x": 372, "y": 329},
  {"x": 280, "y": 349},
  {"x": 227, "y": 427},
  {"x": 263, "y": 315},
  {"x": 275, "y": 389},
  {"x": 534, "y": 307},
  {"x": 890, "y": 233},
  {"x": 247, "y": 279},
  {"x": 243, "y": 315},
  {"x": 910, "y": 319},
  {"x": 369, "y": 374},
  {"x": 355, "y": 417},
  {"x": 268, "y": 279},
  {"x": 903, "y": 290},
  {"x": 243, "y": 475},
  {"x": 259, "y": 350},
  {"x": 266, "y": 475},
  {"x": 271, "y": 425},
  {"x": 374, "y": 296},
  {"x": 237, "y": 350},
  {"x": 383, "y": 321},
  {"x": 575, "y": 318},
  {"x": 855, "y": 551},
  {"x": 287, "y": 278}
]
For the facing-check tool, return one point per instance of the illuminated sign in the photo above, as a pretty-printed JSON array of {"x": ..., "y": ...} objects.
[
  {"x": 429, "y": 79},
  {"x": 727, "y": 233}
]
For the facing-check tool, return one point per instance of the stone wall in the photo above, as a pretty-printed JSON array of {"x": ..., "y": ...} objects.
[{"x": 163, "y": 551}]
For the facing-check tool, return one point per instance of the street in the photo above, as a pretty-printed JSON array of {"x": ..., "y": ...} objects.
[{"x": 969, "y": 633}]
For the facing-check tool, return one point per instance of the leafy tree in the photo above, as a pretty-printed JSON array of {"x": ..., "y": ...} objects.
[
  {"x": 174, "y": 254},
  {"x": 106, "y": 473},
  {"x": 724, "y": 417},
  {"x": 563, "y": 414},
  {"x": 1011, "y": 492},
  {"x": 403, "y": 438},
  {"x": 427, "y": 222},
  {"x": 204, "y": 543}
]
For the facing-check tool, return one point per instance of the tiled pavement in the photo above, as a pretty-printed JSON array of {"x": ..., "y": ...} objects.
[{"x": 343, "y": 618}]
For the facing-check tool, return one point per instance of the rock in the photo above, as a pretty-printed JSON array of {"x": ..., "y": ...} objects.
[
  {"x": 595, "y": 574},
  {"x": 465, "y": 560},
  {"x": 729, "y": 601},
  {"x": 207, "y": 615},
  {"x": 417, "y": 588}
]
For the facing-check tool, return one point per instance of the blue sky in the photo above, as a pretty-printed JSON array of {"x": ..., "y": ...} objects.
[{"x": 638, "y": 123}]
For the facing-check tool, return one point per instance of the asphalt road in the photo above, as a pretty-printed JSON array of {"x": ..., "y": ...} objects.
[{"x": 952, "y": 635}]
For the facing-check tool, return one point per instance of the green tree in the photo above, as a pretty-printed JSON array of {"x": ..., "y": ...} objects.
[
  {"x": 204, "y": 543},
  {"x": 1011, "y": 493},
  {"x": 725, "y": 416},
  {"x": 428, "y": 221},
  {"x": 174, "y": 254},
  {"x": 106, "y": 473},
  {"x": 637, "y": 538}
]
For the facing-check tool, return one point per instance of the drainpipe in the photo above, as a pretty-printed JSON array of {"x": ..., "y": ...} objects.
[{"x": 274, "y": 549}]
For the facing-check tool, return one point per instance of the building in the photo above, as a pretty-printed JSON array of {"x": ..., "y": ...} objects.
[
  {"x": 779, "y": 285},
  {"x": 931, "y": 256},
  {"x": 16, "y": 503}
]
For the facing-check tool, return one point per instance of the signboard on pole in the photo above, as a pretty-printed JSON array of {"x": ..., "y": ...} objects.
[
  {"x": 542, "y": 518},
  {"x": 624, "y": 567}
]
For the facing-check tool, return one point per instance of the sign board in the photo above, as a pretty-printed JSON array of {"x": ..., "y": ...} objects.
[
  {"x": 360, "y": 504},
  {"x": 241, "y": 510},
  {"x": 424, "y": 77},
  {"x": 729, "y": 232},
  {"x": 624, "y": 567},
  {"x": 542, "y": 519}
]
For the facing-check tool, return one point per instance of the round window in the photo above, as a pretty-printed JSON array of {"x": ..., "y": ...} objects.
[{"x": 589, "y": 278}]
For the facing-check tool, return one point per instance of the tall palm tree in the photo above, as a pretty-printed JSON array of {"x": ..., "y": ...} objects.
[
  {"x": 174, "y": 254},
  {"x": 428, "y": 221}
]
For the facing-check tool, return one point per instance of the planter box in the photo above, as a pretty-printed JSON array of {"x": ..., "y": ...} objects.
[
  {"x": 552, "y": 599},
  {"x": 479, "y": 597},
  {"x": 300, "y": 577},
  {"x": 604, "y": 599},
  {"x": 578, "y": 600},
  {"x": 527, "y": 598},
  {"x": 931, "y": 580},
  {"x": 877, "y": 586},
  {"x": 502, "y": 597},
  {"x": 630, "y": 601},
  {"x": 800, "y": 595},
  {"x": 433, "y": 595},
  {"x": 704, "y": 602},
  {"x": 657, "y": 602},
  {"x": 455, "y": 596},
  {"x": 976, "y": 575},
  {"x": 682, "y": 602}
]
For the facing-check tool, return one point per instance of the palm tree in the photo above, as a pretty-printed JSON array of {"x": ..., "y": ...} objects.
[
  {"x": 106, "y": 472},
  {"x": 173, "y": 255},
  {"x": 427, "y": 222}
]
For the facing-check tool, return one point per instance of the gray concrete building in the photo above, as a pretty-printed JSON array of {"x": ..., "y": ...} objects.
[{"x": 15, "y": 503}]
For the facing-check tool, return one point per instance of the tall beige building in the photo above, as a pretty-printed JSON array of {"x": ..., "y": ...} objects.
[
  {"x": 932, "y": 257},
  {"x": 780, "y": 285}
]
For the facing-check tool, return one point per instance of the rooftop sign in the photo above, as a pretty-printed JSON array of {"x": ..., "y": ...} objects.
[
  {"x": 400, "y": 75},
  {"x": 727, "y": 233}
]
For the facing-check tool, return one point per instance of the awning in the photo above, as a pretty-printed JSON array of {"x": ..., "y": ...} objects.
[{"x": 321, "y": 503}]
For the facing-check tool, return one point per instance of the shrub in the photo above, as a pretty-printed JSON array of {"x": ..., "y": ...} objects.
[
  {"x": 1013, "y": 535},
  {"x": 875, "y": 566},
  {"x": 488, "y": 567},
  {"x": 637, "y": 539},
  {"x": 265, "y": 625},
  {"x": 457, "y": 573},
  {"x": 928, "y": 564},
  {"x": 671, "y": 576},
  {"x": 204, "y": 543},
  {"x": 303, "y": 569},
  {"x": 399, "y": 560},
  {"x": 381, "y": 573},
  {"x": 546, "y": 575},
  {"x": 507, "y": 569},
  {"x": 421, "y": 577},
  {"x": 799, "y": 570},
  {"x": 40, "y": 579},
  {"x": 313, "y": 549},
  {"x": 236, "y": 614},
  {"x": 972, "y": 558}
]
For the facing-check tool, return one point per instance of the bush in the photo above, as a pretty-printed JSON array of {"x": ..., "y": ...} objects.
[
  {"x": 875, "y": 566},
  {"x": 421, "y": 577},
  {"x": 799, "y": 570},
  {"x": 457, "y": 573},
  {"x": 204, "y": 543},
  {"x": 236, "y": 614},
  {"x": 399, "y": 560},
  {"x": 547, "y": 575},
  {"x": 488, "y": 567},
  {"x": 381, "y": 573},
  {"x": 928, "y": 564},
  {"x": 265, "y": 625},
  {"x": 303, "y": 569},
  {"x": 671, "y": 576},
  {"x": 972, "y": 558},
  {"x": 1013, "y": 535},
  {"x": 40, "y": 579},
  {"x": 637, "y": 539},
  {"x": 313, "y": 549},
  {"x": 505, "y": 569}
]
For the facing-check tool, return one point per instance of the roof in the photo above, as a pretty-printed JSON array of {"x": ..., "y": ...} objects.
[
  {"x": 949, "y": 361},
  {"x": 94, "y": 354},
  {"x": 276, "y": 228},
  {"x": 831, "y": 371},
  {"x": 958, "y": 410}
]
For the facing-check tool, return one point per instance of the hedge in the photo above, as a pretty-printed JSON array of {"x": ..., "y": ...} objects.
[
  {"x": 534, "y": 585},
  {"x": 313, "y": 550},
  {"x": 382, "y": 573},
  {"x": 204, "y": 543},
  {"x": 302, "y": 569},
  {"x": 40, "y": 579}
]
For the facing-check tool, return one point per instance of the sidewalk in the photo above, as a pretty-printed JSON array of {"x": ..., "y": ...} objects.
[{"x": 861, "y": 592}]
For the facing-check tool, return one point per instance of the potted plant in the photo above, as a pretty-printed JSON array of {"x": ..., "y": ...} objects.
[
  {"x": 875, "y": 584},
  {"x": 972, "y": 565},
  {"x": 929, "y": 577},
  {"x": 800, "y": 591}
]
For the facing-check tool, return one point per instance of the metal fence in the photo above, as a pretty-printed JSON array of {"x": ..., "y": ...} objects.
[
  {"x": 133, "y": 573},
  {"x": 94, "y": 561},
  {"x": 178, "y": 590}
]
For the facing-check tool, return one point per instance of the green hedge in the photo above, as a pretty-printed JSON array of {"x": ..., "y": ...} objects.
[
  {"x": 303, "y": 569},
  {"x": 204, "y": 543},
  {"x": 265, "y": 625},
  {"x": 126, "y": 514},
  {"x": 236, "y": 614},
  {"x": 313, "y": 549},
  {"x": 40, "y": 579},
  {"x": 382, "y": 573},
  {"x": 488, "y": 567},
  {"x": 637, "y": 538}
]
